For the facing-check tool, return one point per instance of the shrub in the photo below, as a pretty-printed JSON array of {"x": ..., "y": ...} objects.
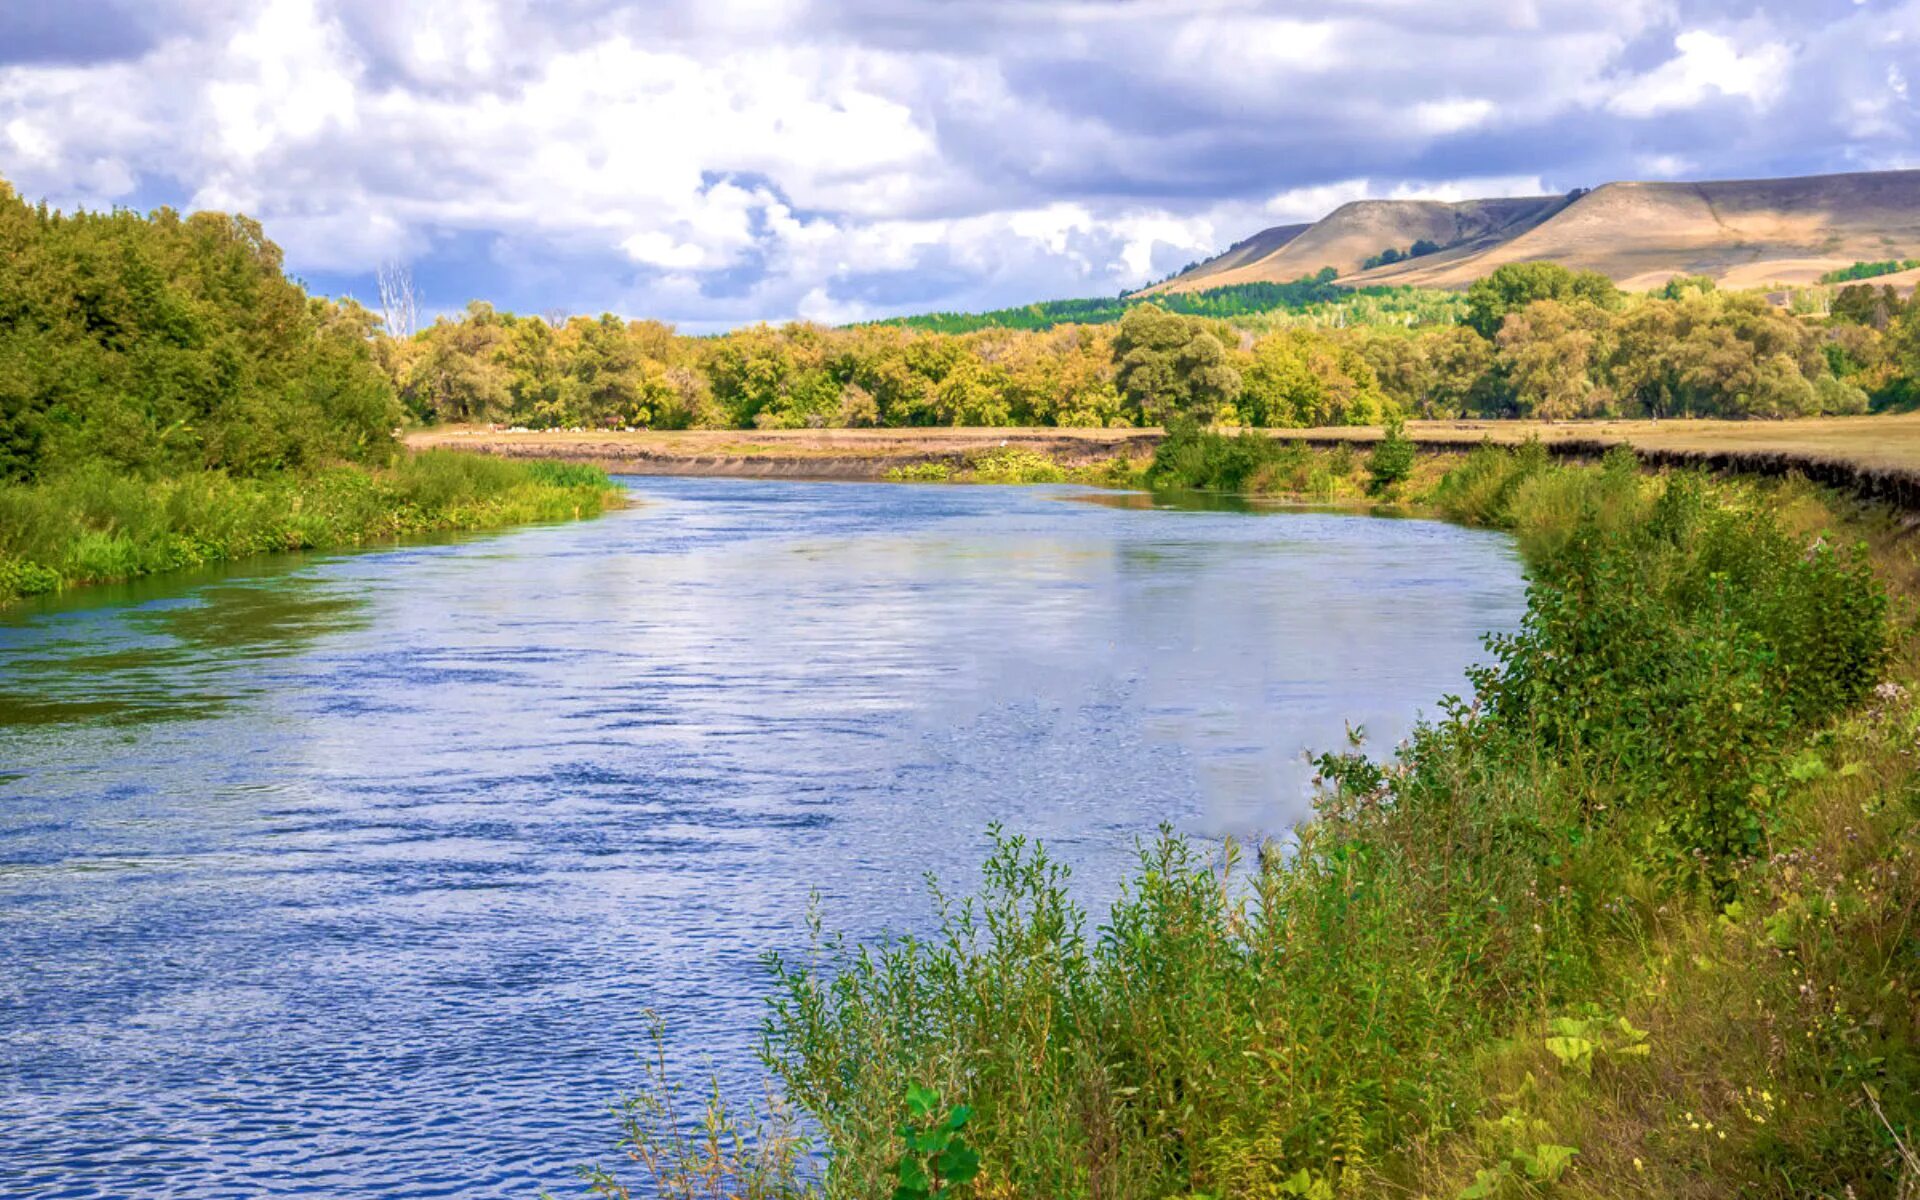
[
  {"x": 1306, "y": 1027},
  {"x": 1392, "y": 459}
]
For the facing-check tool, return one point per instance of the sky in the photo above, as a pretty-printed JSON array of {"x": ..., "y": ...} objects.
[{"x": 718, "y": 162}]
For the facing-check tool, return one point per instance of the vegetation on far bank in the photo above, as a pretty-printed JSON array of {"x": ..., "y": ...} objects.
[
  {"x": 1531, "y": 340},
  {"x": 168, "y": 397},
  {"x": 1637, "y": 917}
]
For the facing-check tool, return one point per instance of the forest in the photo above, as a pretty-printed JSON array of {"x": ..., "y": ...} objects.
[{"x": 1530, "y": 340}]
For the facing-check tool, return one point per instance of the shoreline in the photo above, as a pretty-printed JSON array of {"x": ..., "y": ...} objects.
[{"x": 1875, "y": 457}]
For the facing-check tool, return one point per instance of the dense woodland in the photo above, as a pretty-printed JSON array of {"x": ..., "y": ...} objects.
[
  {"x": 167, "y": 342},
  {"x": 169, "y": 398},
  {"x": 1531, "y": 340}
]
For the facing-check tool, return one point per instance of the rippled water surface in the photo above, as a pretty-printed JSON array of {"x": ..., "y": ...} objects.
[{"x": 354, "y": 876}]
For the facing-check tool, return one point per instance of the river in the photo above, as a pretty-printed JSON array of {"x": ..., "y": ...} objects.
[{"x": 354, "y": 875}]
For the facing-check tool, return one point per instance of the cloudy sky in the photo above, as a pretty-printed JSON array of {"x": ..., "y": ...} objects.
[{"x": 713, "y": 162}]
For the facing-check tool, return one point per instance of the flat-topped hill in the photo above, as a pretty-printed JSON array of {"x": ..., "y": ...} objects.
[{"x": 1743, "y": 233}]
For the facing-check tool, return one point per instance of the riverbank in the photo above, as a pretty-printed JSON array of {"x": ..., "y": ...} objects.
[
  {"x": 789, "y": 453},
  {"x": 96, "y": 525},
  {"x": 1546, "y": 947},
  {"x": 1877, "y": 457}
]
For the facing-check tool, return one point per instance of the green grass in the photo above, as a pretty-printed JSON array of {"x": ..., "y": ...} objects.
[
  {"x": 95, "y": 524},
  {"x": 1639, "y": 918}
]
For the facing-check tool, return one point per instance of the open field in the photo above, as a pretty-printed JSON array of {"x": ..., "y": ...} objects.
[{"x": 1885, "y": 448}]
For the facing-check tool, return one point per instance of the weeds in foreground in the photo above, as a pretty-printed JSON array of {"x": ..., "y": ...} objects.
[
  {"x": 715, "y": 1153},
  {"x": 1638, "y": 917}
]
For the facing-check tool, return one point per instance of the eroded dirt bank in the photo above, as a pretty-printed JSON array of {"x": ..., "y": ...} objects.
[{"x": 1877, "y": 457}]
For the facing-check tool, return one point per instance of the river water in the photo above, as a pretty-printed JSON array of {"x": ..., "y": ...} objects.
[{"x": 355, "y": 875}]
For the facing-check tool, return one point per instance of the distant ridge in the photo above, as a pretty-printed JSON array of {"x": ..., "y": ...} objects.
[{"x": 1743, "y": 233}]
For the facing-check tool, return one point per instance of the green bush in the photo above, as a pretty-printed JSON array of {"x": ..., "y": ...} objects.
[
  {"x": 926, "y": 472},
  {"x": 1291, "y": 1029},
  {"x": 1015, "y": 464},
  {"x": 1198, "y": 458},
  {"x": 1392, "y": 459}
]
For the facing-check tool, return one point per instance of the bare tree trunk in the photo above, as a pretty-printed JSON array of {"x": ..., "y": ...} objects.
[{"x": 399, "y": 301}]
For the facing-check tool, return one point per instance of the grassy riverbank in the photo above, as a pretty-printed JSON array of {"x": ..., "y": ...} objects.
[
  {"x": 1638, "y": 920},
  {"x": 94, "y": 524}
]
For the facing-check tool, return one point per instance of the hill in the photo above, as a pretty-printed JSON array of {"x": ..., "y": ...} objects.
[
  {"x": 1355, "y": 231},
  {"x": 1742, "y": 233}
]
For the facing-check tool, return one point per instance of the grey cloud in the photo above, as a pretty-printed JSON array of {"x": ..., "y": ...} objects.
[
  {"x": 75, "y": 31},
  {"x": 1026, "y": 105}
]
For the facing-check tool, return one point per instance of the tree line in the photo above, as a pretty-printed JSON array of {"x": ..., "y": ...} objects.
[
  {"x": 1233, "y": 300},
  {"x": 1530, "y": 340},
  {"x": 159, "y": 343}
]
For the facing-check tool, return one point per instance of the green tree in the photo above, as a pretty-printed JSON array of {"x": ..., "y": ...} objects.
[
  {"x": 1171, "y": 365},
  {"x": 1516, "y": 285},
  {"x": 160, "y": 343}
]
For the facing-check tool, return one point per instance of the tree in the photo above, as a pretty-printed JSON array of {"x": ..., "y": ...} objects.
[
  {"x": 1169, "y": 364},
  {"x": 1302, "y": 377},
  {"x": 1547, "y": 351},
  {"x": 1516, "y": 285},
  {"x": 157, "y": 343}
]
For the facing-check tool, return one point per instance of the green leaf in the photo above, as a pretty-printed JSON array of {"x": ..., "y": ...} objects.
[
  {"x": 1549, "y": 1162},
  {"x": 1572, "y": 1052},
  {"x": 921, "y": 1100},
  {"x": 959, "y": 1163},
  {"x": 911, "y": 1173},
  {"x": 958, "y": 1118},
  {"x": 1486, "y": 1183},
  {"x": 933, "y": 1141}
]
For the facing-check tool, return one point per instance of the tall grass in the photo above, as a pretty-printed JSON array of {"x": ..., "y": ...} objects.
[
  {"x": 1636, "y": 918},
  {"x": 95, "y": 524}
]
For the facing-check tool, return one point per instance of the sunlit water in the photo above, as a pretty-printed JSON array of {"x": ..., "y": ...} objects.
[{"x": 354, "y": 876}]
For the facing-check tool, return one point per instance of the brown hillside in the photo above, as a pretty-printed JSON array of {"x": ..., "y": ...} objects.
[
  {"x": 1744, "y": 233},
  {"x": 1362, "y": 228},
  {"x": 1253, "y": 249}
]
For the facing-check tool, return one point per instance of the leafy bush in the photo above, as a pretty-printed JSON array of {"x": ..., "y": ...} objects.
[
  {"x": 1306, "y": 1027},
  {"x": 165, "y": 343},
  {"x": 1016, "y": 464},
  {"x": 925, "y": 472},
  {"x": 1392, "y": 459}
]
